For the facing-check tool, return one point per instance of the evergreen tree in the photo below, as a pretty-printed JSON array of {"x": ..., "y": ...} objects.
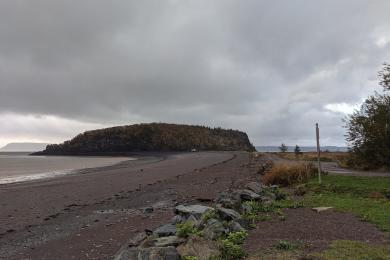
[
  {"x": 283, "y": 148},
  {"x": 297, "y": 150}
]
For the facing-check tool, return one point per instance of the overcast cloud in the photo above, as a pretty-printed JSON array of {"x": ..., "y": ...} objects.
[{"x": 270, "y": 68}]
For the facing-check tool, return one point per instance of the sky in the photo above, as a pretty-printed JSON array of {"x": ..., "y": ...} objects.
[{"x": 269, "y": 68}]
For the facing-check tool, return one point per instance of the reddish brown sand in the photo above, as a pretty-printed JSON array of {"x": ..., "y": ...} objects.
[{"x": 89, "y": 216}]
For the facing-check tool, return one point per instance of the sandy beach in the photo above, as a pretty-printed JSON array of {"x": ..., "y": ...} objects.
[{"x": 89, "y": 215}]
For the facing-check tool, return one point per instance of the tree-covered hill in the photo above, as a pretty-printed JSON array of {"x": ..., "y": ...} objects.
[{"x": 156, "y": 137}]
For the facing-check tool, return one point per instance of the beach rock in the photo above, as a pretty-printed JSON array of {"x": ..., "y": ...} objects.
[
  {"x": 148, "y": 242},
  {"x": 255, "y": 187},
  {"x": 177, "y": 219},
  {"x": 168, "y": 241},
  {"x": 159, "y": 253},
  {"x": 151, "y": 253},
  {"x": 165, "y": 230},
  {"x": 321, "y": 209},
  {"x": 213, "y": 229},
  {"x": 235, "y": 227},
  {"x": 127, "y": 254},
  {"x": 198, "y": 247},
  {"x": 137, "y": 239},
  {"x": 248, "y": 195},
  {"x": 195, "y": 210},
  {"x": 245, "y": 208},
  {"x": 268, "y": 199},
  {"x": 147, "y": 210},
  {"x": 230, "y": 201},
  {"x": 195, "y": 222},
  {"x": 228, "y": 214},
  {"x": 148, "y": 232}
]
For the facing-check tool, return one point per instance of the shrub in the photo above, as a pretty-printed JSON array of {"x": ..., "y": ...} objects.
[
  {"x": 210, "y": 214},
  {"x": 185, "y": 229},
  {"x": 237, "y": 237},
  {"x": 231, "y": 251},
  {"x": 188, "y": 257},
  {"x": 231, "y": 246},
  {"x": 279, "y": 194},
  {"x": 387, "y": 194},
  {"x": 285, "y": 245},
  {"x": 285, "y": 175}
]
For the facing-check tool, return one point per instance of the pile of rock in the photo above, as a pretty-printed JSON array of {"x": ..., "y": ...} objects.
[{"x": 226, "y": 215}]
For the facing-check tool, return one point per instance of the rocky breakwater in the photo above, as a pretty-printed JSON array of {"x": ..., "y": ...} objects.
[{"x": 203, "y": 231}]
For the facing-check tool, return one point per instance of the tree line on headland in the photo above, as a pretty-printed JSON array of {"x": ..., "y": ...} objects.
[{"x": 153, "y": 137}]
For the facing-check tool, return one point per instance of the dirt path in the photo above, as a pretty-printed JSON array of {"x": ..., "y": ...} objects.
[
  {"x": 91, "y": 216},
  {"x": 333, "y": 169}
]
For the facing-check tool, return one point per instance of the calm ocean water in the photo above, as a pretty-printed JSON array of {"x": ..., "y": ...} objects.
[{"x": 17, "y": 167}]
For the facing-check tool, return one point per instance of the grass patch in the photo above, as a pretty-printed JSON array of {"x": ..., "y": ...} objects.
[
  {"x": 353, "y": 194},
  {"x": 353, "y": 250},
  {"x": 189, "y": 258},
  {"x": 358, "y": 186},
  {"x": 286, "y": 245},
  {"x": 372, "y": 210}
]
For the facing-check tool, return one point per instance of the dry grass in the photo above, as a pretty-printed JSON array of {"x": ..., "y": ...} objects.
[
  {"x": 340, "y": 157},
  {"x": 285, "y": 175}
]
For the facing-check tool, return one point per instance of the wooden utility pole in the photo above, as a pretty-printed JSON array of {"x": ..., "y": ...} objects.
[{"x": 318, "y": 153}]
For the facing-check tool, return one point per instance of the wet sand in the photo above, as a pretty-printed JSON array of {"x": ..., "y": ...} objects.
[{"x": 91, "y": 214}]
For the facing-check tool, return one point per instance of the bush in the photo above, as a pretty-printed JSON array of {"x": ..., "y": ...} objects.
[
  {"x": 231, "y": 246},
  {"x": 237, "y": 237},
  {"x": 185, "y": 229},
  {"x": 387, "y": 194},
  {"x": 189, "y": 257},
  {"x": 286, "y": 245},
  {"x": 286, "y": 175}
]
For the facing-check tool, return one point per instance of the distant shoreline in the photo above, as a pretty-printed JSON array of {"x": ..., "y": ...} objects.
[{"x": 33, "y": 177}]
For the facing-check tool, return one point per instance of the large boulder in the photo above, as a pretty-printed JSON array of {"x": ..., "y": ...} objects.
[
  {"x": 247, "y": 195},
  {"x": 213, "y": 229},
  {"x": 177, "y": 219},
  {"x": 235, "y": 227},
  {"x": 137, "y": 239},
  {"x": 194, "y": 221},
  {"x": 228, "y": 214},
  {"x": 168, "y": 241},
  {"x": 255, "y": 187},
  {"x": 150, "y": 253},
  {"x": 199, "y": 247},
  {"x": 228, "y": 200},
  {"x": 165, "y": 230},
  {"x": 195, "y": 210},
  {"x": 246, "y": 208}
]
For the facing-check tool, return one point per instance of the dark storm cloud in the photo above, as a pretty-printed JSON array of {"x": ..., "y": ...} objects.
[{"x": 268, "y": 68}]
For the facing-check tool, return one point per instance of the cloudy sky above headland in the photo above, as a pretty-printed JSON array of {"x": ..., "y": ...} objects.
[{"x": 270, "y": 68}]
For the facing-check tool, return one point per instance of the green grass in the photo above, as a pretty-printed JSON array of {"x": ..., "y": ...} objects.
[
  {"x": 353, "y": 250},
  {"x": 353, "y": 194},
  {"x": 359, "y": 186}
]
